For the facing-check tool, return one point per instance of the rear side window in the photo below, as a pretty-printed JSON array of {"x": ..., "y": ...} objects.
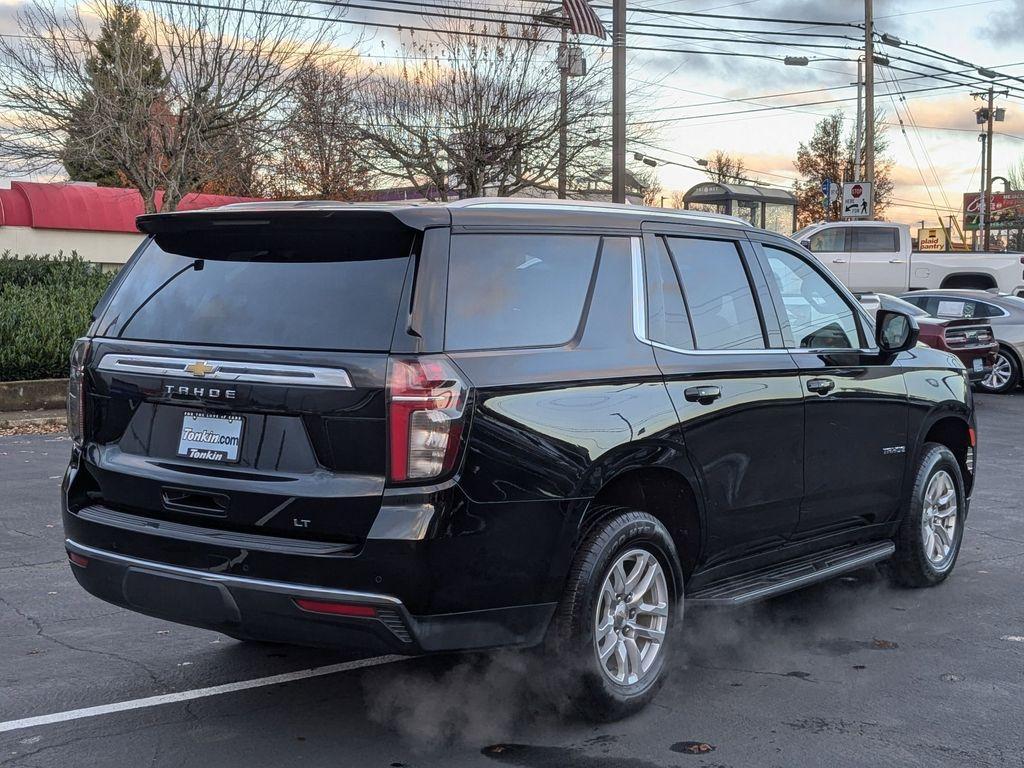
[
  {"x": 831, "y": 240},
  {"x": 964, "y": 308},
  {"x": 667, "y": 322},
  {"x": 875, "y": 239},
  {"x": 260, "y": 297},
  {"x": 717, "y": 293},
  {"x": 511, "y": 290}
]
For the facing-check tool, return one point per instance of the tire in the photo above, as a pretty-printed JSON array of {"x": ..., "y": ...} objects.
[
  {"x": 923, "y": 560},
  {"x": 624, "y": 542},
  {"x": 1005, "y": 375}
]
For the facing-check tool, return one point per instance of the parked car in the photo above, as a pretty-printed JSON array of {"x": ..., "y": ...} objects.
[
  {"x": 878, "y": 256},
  {"x": 1005, "y": 314},
  {"x": 498, "y": 423},
  {"x": 972, "y": 341}
]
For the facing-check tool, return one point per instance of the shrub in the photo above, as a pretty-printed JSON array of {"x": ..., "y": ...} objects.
[{"x": 45, "y": 304}]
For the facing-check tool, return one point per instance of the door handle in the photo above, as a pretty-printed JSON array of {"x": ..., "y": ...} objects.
[
  {"x": 896, "y": 261},
  {"x": 704, "y": 395},
  {"x": 838, "y": 261},
  {"x": 821, "y": 386}
]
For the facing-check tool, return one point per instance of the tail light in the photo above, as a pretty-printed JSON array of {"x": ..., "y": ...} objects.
[
  {"x": 954, "y": 338},
  {"x": 76, "y": 390},
  {"x": 426, "y": 404}
]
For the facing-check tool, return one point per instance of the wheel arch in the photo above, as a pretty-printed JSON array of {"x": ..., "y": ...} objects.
[
  {"x": 954, "y": 432},
  {"x": 664, "y": 493},
  {"x": 969, "y": 280}
]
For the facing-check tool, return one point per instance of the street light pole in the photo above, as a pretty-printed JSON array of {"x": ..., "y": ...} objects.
[
  {"x": 619, "y": 101},
  {"x": 985, "y": 243},
  {"x": 869, "y": 101}
]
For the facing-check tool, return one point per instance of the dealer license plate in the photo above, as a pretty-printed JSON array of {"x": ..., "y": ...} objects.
[
  {"x": 978, "y": 364},
  {"x": 210, "y": 436}
]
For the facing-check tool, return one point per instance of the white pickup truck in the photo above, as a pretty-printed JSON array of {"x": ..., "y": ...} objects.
[{"x": 877, "y": 256}]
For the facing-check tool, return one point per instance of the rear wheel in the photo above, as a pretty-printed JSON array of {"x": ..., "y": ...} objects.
[
  {"x": 1005, "y": 375},
  {"x": 614, "y": 626},
  {"x": 931, "y": 531}
]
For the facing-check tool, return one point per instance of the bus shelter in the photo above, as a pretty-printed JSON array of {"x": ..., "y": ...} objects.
[{"x": 766, "y": 207}]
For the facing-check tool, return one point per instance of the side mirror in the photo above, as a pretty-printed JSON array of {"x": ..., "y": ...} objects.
[
  {"x": 895, "y": 332},
  {"x": 806, "y": 244}
]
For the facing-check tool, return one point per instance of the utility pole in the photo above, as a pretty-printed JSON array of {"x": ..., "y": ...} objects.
[
  {"x": 982, "y": 197},
  {"x": 860, "y": 121},
  {"x": 563, "y": 109},
  {"x": 869, "y": 102},
  {"x": 988, "y": 115},
  {"x": 619, "y": 101}
]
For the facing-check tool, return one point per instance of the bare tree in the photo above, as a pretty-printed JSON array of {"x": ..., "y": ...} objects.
[
  {"x": 322, "y": 153},
  {"x": 726, "y": 169},
  {"x": 226, "y": 72},
  {"x": 467, "y": 114},
  {"x": 677, "y": 198},
  {"x": 649, "y": 185}
]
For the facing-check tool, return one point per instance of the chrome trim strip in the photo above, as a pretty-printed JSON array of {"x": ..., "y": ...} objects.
[
  {"x": 228, "y": 370},
  {"x": 639, "y": 290},
  {"x": 402, "y": 522},
  {"x": 238, "y": 582}
]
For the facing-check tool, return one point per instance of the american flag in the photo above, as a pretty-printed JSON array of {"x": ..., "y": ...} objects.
[{"x": 582, "y": 19}]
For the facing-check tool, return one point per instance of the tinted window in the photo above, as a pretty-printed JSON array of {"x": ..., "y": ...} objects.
[
  {"x": 667, "y": 322},
  {"x": 517, "y": 290},
  {"x": 964, "y": 308},
  {"x": 829, "y": 240},
  {"x": 818, "y": 316},
  {"x": 260, "y": 297},
  {"x": 718, "y": 294},
  {"x": 875, "y": 239}
]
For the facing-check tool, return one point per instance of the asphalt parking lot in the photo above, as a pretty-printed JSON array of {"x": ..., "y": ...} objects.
[{"x": 850, "y": 673}]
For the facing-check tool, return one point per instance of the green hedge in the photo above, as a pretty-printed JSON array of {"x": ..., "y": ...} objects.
[{"x": 45, "y": 304}]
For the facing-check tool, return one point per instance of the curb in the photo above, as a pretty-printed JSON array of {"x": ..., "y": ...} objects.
[{"x": 32, "y": 419}]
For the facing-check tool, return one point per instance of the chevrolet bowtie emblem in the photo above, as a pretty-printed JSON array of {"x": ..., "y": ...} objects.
[{"x": 200, "y": 368}]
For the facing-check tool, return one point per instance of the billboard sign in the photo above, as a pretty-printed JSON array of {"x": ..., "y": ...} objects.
[
  {"x": 932, "y": 239},
  {"x": 1007, "y": 210}
]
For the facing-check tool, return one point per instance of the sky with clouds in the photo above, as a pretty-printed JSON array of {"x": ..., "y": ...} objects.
[
  {"x": 688, "y": 94},
  {"x": 935, "y": 163}
]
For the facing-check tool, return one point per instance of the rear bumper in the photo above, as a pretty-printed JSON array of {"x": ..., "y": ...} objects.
[{"x": 266, "y": 610}]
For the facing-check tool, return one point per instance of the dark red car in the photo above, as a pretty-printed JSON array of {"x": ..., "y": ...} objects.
[{"x": 970, "y": 340}]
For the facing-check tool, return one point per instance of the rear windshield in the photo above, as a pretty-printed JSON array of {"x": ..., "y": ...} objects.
[{"x": 245, "y": 295}]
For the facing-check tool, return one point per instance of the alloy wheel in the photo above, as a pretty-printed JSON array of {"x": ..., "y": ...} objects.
[
  {"x": 939, "y": 519},
  {"x": 1001, "y": 373},
  {"x": 632, "y": 616}
]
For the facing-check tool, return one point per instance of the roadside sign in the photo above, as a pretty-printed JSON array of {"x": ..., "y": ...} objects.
[
  {"x": 856, "y": 202},
  {"x": 829, "y": 192},
  {"x": 932, "y": 239}
]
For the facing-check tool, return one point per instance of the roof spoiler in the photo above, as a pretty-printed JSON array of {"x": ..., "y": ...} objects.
[{"x": 311, "y": 214}]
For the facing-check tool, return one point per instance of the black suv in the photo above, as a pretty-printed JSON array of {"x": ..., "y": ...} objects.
[{"x": 418, "y": 428}]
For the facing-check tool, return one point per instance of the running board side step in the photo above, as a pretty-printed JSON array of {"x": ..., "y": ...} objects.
[{"x": 790, "y": 575}]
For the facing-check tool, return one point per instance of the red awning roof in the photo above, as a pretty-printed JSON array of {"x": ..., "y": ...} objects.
[{"x": 85, "y": 207}]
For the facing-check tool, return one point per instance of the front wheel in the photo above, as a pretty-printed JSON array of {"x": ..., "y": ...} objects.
[
  {"x": 1005, "y": 375},
  {"x": 614, "y": 626},
  {"x": 932, "y": 529}
]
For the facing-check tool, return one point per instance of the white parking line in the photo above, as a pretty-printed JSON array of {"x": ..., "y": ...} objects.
[{"x": 198, "y": 693}]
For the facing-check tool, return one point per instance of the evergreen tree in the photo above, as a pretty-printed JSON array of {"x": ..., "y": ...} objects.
[
  {"x": 123, "y": 66},
  {"x": 829, "y": 154}
]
